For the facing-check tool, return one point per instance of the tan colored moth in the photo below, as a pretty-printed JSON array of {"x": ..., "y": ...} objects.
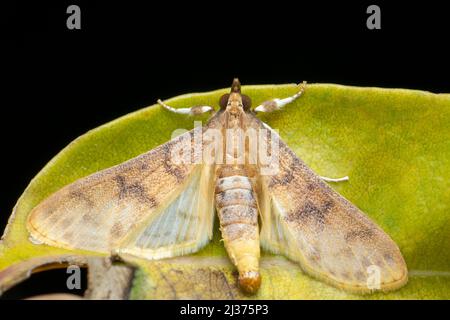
[{"x": 162, "y": 204}]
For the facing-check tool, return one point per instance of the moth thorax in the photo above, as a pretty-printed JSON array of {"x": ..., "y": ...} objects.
[{"x": 234, "y": 118}]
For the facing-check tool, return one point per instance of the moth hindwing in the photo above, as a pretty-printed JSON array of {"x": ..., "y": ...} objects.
[{"x": 157, "y": 206}]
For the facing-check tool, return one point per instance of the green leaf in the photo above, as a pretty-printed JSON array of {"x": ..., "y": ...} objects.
[{"x": 393, "y": 144}]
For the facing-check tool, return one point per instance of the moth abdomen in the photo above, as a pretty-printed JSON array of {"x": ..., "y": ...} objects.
[
  {"x": 238, "y": 216},
  {"x": 235, "y": 197},
  {"x": 235, "y": 201}
]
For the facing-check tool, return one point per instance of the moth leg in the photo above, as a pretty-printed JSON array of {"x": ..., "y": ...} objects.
[
  {"x": 277, "y": 104},
  {"x": 196, "y": 110},
  {"x": 335, "y": 179}
]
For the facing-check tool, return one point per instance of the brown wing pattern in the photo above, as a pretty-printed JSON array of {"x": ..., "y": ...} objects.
[
  {"x": 306, "y": 220},
  {"x": 100, "y": 211}
]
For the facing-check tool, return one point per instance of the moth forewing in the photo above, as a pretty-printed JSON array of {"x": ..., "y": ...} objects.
[
  {"x": 327, "y": 235},
  {"x": 101, "y": 211}
]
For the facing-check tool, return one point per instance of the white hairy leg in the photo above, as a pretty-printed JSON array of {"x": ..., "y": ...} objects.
[{"x": 334, "y": 179}]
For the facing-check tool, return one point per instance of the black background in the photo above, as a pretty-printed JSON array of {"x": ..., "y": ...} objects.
[{"x": 59, "y": 83}]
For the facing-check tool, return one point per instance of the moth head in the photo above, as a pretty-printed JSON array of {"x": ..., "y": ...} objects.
[{"x": 234, "y": 100}]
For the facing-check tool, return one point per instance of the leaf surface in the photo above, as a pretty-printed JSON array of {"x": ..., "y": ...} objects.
[{"x": 394, "y": 144}]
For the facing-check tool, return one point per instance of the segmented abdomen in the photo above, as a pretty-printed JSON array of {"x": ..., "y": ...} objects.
[{"x": 238, "y": 216}]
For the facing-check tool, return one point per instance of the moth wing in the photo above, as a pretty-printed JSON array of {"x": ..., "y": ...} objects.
[
  {"x": 181, "y": 228},
  {"x": 307, "y": 221},
  {"x": 104, "y": 211}
]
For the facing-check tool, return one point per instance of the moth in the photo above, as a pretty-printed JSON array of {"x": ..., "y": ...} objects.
[{"x": 162, "y": 204}]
